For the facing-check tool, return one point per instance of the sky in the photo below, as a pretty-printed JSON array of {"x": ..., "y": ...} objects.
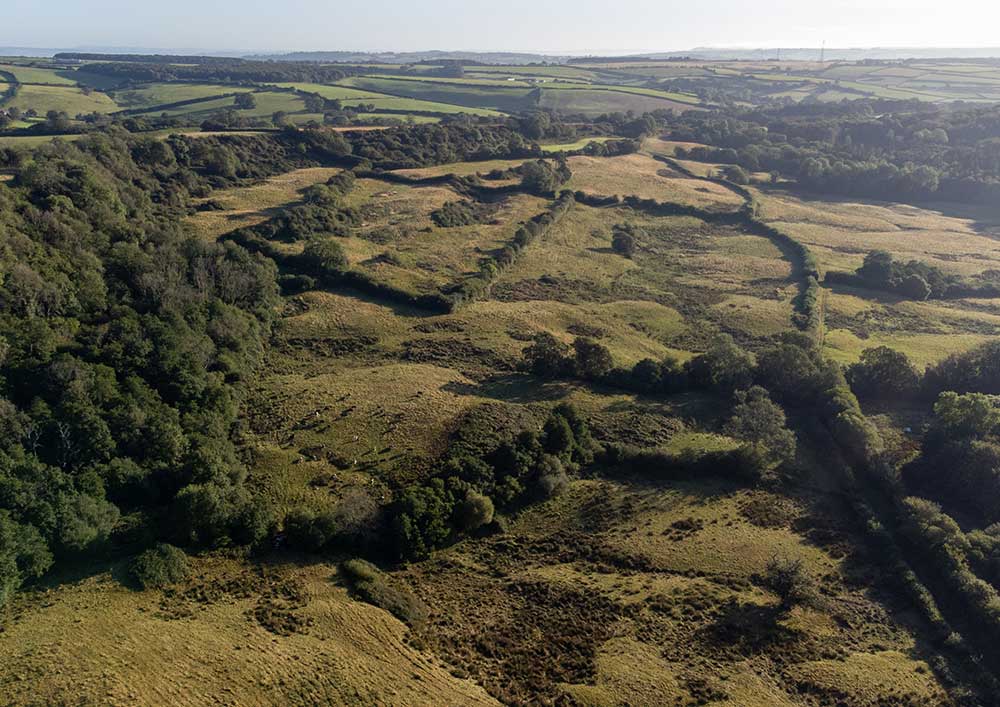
[{"x": 547, "y": 26}]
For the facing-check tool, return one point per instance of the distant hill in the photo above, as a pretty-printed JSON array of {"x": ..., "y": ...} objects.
[
  {"x": 835, "y": 53},
  {"x": 506, "y": 58}
]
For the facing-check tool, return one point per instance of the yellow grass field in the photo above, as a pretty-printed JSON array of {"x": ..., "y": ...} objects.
[
  {"x": 94, "y": 641},
  {"x": 643, "y": 176}
]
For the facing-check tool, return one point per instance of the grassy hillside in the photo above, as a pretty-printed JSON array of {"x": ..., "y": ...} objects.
[{"x": 69, "y": 99}]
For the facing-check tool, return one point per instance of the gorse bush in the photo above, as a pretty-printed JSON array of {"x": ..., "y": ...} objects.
[{"x": 462, "y": 213}]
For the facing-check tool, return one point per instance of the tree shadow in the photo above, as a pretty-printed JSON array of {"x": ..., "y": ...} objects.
[
  {"x": 752, "y": 628},
  {"x": 878, "y": 296},
  {"x": 512, "y": 388}
]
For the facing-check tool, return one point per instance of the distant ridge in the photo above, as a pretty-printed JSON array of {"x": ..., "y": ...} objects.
[
  {"x": 520, "y": 58},
  {"x": 411, "y": 57},
  {"x": 834, "y": 54}
]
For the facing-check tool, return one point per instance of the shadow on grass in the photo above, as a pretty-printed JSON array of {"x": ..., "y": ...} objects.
[{"x": 513, "y": 388}]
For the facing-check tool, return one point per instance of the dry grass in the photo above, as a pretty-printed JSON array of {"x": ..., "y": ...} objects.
[
  {"x": 96, "y": 642},
  {"x": 619, "y": 545},
  {"x": 249, "y": 206},
  {"x": 867, "y": 679},
  {"x": 728, "y": 544},
  {"x": 461, "y": 169},
  {"x": 418, "y": 258},
  {"x": 843, "y": 232},
  {"x": 639, "y": 175},
  {"x": 684, "y": 264}
]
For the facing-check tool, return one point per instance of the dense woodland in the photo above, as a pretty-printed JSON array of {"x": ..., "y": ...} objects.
[{"x": 886, "y": 150}]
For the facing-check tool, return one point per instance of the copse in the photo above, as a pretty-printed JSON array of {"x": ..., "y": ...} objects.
[
  {"x": 542, "y": 178},
  {"x": 883, "y": 374},
  {"x": 468, "y": 490},
  {"x": 325, "y": 258},
  {"x": 245, "y": 101},
  {"x": 961, "y": 456},
  {"x": 724, "y": 366},
  {"x": 975, "y": 371}
]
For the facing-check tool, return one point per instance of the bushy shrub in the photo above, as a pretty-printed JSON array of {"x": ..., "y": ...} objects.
[
  {"x": 624, "y": 239},
  {"x": 591, "y": 360},
  {"x": 474, "y": 511},
  {"x": 159, "y": 567},
  {"x": 462, "y": 213},
  {"x": 325, "y": 257},
  {"x": 310, "y": 531},
  {"x": 552, "y": 477},
  {"x": 788, "y": 578}
]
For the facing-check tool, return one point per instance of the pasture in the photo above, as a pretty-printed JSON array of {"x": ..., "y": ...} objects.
[
  {"x": 69, "y": 99},
  {"x": 620, "y": 590}
]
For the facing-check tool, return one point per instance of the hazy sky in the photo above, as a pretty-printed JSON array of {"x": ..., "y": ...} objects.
[{"x": 527, "y": 25}]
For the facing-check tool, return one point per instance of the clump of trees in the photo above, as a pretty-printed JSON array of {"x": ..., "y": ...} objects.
[
  {"x": 912, "y": 280},
  {"x": 883, "y": 373},
  {"x": 469, "y": 489},
  {"x": 245, "y": 101},
  {"x": 463, "y": 213},
  {"x": 544, "y": 125},
  {"x": 960, "y": 463},
  {"x": 760, "y": 423},
  {"x": 543, "y": 178},
  {"x": 975, "y": 371}
]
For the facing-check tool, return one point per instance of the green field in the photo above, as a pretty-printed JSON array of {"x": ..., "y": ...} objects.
[
  {"x": 353, "y": 96},
  {"x": 29, "y": 74},
  {"x": 159, "y": 94},
  {"x": 573, "y": 146},
  {"x": 493, "y": 98},
  {"x": 70, "y": 99}
]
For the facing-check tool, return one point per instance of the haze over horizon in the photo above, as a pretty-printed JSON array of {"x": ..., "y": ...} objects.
[{"x": 558, "y": 27}]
